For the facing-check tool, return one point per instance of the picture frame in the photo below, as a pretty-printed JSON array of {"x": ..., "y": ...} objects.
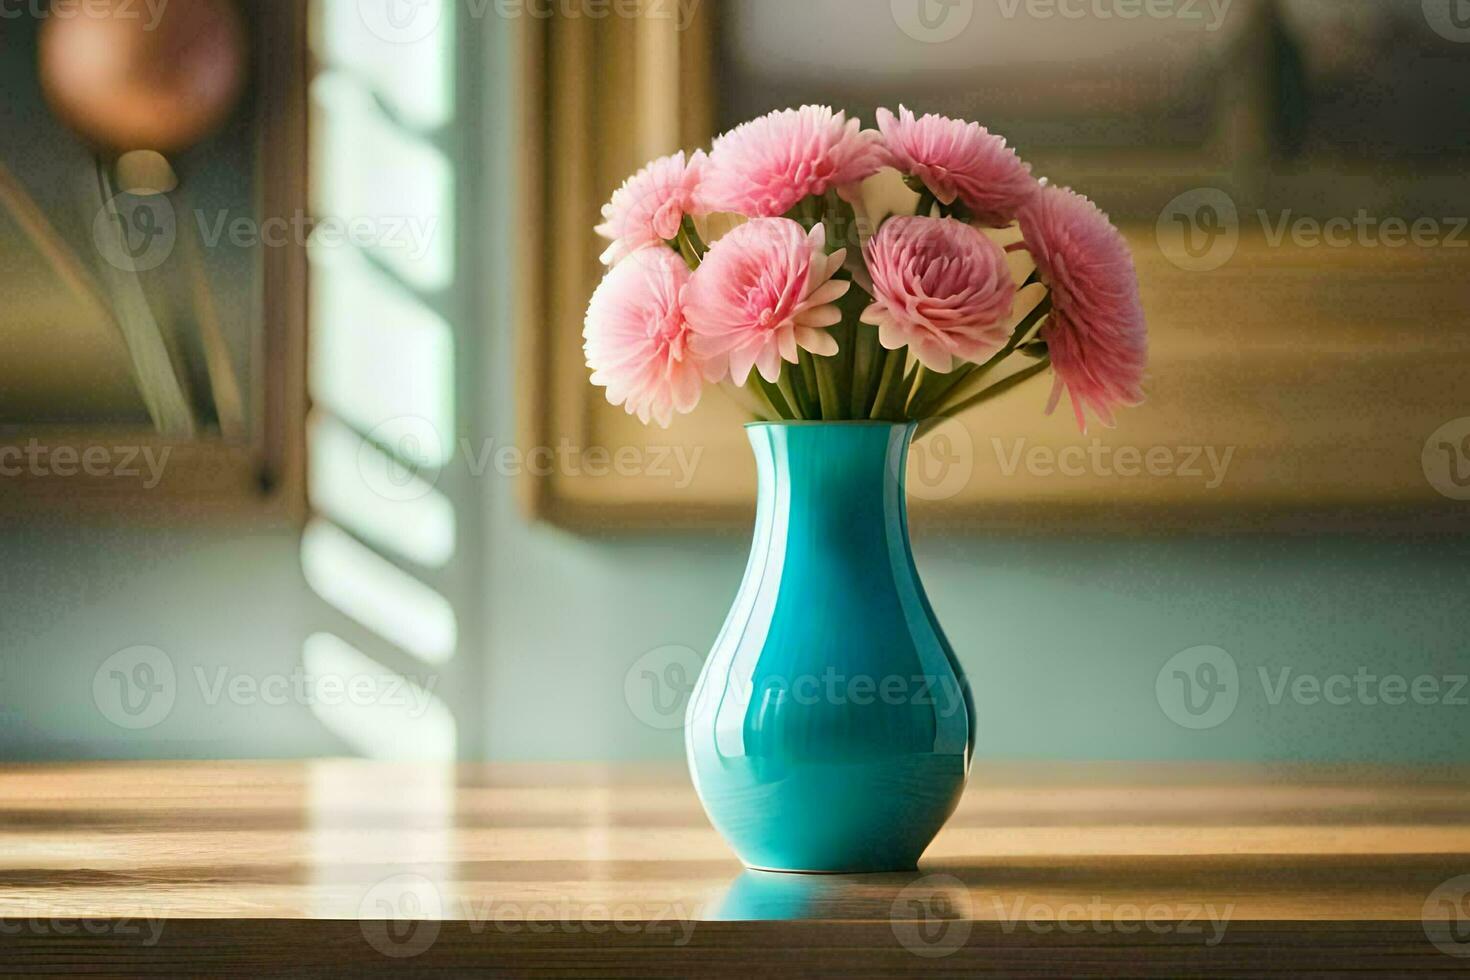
[{"x": 108, "y": 472}]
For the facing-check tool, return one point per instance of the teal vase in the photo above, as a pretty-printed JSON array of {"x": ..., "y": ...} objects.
[{"x": 831, "y": 728}]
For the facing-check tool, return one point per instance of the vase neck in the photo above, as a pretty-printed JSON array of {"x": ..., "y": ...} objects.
[{"x": 838, "y": 483}]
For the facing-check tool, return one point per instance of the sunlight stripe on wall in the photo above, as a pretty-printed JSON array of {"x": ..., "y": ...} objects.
[
  {"x": 378, "y": 711},
  {"x": 370, "y": 589}
]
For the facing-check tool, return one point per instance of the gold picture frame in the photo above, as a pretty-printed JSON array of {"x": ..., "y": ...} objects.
[{"x": 257, "y": 474}]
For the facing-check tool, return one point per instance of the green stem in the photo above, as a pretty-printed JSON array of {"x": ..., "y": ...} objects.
[
  {"x": 927, "y": 200},
  {"x": 1025, "y": 327},
  {"x": 786, "y": 385},
  {"x": 689, "y": 244},
  {"x": 806, "y": 212},
  {"x": 686, "y": 251},
  {"x": 826, "y": 368},
  {"x": 691, "y": 233},
  {"x": 843, "y": 365},
  {"x": 809, "y": 384},
  {"x": 863, "y": 340},
  {"x": 994, "y": 391},
  {"x": 936, "y": 387},
  {"x": 898, "y": 398},
  {"x": 774, "y": 397},
  {"x": 837, "y": 216},
  {"x": 769, "y": 411},
  {"x": 892, "y": 368},
  {"x": 921, "y": 378}
]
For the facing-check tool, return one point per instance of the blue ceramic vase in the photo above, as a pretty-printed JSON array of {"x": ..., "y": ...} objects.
[{"x": 831, "y": 728}]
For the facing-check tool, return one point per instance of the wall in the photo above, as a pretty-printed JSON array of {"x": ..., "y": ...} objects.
[
  {"x": 219, "y": 605},
  {"x": 1062, "y": 640}
]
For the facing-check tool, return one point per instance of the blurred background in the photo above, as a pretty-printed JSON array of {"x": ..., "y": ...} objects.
[{"x": 298, "y": 456}]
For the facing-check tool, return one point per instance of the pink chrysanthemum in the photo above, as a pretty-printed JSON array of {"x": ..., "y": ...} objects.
[
  {"x": 637, "y": 338},
  {"x": 1096, "y": 331},
  {"x": 764, "y": 290},
  {"x": 764, "y": 167},
  {"x": 941, "y": 288},
  {"x": 651, "y": 204},
  {"x": 961, "y": 161}
]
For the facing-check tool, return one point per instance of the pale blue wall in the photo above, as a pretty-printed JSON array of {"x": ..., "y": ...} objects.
[
  {"x": 70, "y": 597},
  {"x": 1062, "y": 640}
]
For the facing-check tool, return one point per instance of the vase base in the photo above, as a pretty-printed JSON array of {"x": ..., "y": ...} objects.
[{"x": 910, "y": 869}]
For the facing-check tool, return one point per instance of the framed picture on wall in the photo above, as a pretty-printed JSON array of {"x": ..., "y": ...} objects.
[{"x": 154, "y": 325}]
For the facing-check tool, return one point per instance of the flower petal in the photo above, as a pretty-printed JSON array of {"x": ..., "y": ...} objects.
[{"x": 819, "y": 342}]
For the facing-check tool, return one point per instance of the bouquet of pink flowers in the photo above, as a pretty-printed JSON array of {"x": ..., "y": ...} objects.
[{"x": 823, "y": 271}]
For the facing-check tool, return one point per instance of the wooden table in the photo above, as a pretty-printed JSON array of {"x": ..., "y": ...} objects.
[{"x": 340, "y": 867}]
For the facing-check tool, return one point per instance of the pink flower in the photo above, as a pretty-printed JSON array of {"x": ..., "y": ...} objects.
[
  {"x": 764, "y": 167},
  {"x": 1096, "y": 332},
  {"x": 651, "y": 204},
  {"x": 959, "y": 160},
  {"x": 637, "y": 339},
  {"x": 941, "y": 288},
  {"x": 764, "y": 290}
]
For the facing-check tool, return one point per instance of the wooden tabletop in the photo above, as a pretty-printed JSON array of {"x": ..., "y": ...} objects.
[{"x": 354, "y": 867}]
